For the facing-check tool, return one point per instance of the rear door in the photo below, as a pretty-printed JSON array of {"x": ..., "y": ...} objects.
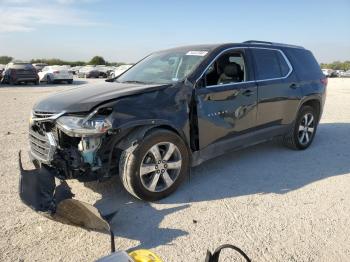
[
  {"x": 226, "y": 108},
  {"x": 278, "y": 89}
]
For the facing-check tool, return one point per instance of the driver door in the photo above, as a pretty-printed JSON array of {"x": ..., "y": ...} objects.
[{"x": 227, "y": 101}]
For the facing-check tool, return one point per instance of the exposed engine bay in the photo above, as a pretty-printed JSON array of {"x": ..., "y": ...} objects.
[{"x": 69, "y": 151}]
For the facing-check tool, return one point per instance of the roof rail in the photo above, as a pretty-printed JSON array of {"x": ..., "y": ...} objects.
[
  {"x": 258, "y": 42},
  {"x": 270, "y": 43}
]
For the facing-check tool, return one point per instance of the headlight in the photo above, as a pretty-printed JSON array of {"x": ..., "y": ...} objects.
[{"x": 80, "y": 126}]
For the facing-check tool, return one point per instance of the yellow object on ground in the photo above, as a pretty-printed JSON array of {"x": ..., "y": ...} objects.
[{"x": 144, "y": 255}]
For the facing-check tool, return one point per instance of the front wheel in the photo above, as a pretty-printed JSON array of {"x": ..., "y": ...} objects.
[
  {"x": 304, "y": 129},
  {"x": 155, "y": 167}
]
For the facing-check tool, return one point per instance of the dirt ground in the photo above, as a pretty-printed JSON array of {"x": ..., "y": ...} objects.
[{"x": 274, "y": 203}]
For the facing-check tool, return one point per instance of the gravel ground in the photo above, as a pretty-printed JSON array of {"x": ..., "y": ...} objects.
[{"x": 274, "y": 203}]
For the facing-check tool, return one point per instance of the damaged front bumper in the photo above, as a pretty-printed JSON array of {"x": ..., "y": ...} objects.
[
  {"x": 38, "y": 190},
  {"x": 72, "y": 155}
]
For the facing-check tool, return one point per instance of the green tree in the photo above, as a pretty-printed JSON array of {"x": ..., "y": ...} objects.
[
  {"x": 337, "y": 65},
  {"x": 97, "y": 60},
  {"x": 56, "y": 61},
  {"x": 5, "y": 59}
]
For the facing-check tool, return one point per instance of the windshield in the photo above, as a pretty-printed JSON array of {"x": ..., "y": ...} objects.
[{"x": 164, "y": 67}]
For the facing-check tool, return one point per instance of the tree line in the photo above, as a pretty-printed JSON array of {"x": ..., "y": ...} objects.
[
  {"x": 337, "y": 65},
  {"x": 99, "y": 60},
  {"x": 96, "y": 60}
]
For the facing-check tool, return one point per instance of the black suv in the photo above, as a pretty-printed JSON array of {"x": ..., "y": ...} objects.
[
  {"x": 177, "y": 108},
  {"x": 19, "y": 72}
]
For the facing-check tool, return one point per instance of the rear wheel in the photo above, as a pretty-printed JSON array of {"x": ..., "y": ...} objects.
[
  {"x": 12, "y": 81},
  {"x": 155, "y": 167},
  {"x": 48, "y": 80},
  {"x": 304, "y": 129}
]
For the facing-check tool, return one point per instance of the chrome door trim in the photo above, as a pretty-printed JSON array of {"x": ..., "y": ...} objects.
[{"x": 252, "y": 81}]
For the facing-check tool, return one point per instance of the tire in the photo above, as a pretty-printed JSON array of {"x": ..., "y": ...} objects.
[
  {"x": 12, "y": 82},
  {"x": 70, "y": 81},
  {"x": 295, "y": 138},
  {"x": 162, "y": 180},
  {"x": 48, "y": 80}
]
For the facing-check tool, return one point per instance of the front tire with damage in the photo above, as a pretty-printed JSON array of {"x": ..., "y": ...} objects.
[{"x": 155, "y": 167}]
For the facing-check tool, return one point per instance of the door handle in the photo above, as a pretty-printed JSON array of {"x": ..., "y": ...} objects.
[
  {"x": 294, "y": 86},
  {"x": 247, "y": 92}
]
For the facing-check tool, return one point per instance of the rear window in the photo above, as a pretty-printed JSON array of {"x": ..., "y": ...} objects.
[
  {"x": 304, "y": 64},
  {"x": 22, "y": 66},
  {"x": 269, "y": 64}
]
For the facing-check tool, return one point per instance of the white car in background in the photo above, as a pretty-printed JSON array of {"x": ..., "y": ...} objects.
[
  {"x": 54, "y": 74},
  {"x": 346, "y": 74},
  {"x": 39, "y": 66},
  {"x": 120, "y": 69},
  {"x": 327, "y": 72},
  {"x": 2, "y": 68}
]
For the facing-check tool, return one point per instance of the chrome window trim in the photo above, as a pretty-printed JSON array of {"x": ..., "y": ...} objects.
[
  {"x": 251, "y": 81},
  {"x": 285, "y": 59}
]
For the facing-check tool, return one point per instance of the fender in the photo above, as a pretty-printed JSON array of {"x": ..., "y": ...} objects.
[
  {"x": 305, "y": 99},
  {"x": 141, "y": 127}
]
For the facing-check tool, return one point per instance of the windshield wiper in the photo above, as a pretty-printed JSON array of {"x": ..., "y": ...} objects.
[{"x": 135, "y": 82}]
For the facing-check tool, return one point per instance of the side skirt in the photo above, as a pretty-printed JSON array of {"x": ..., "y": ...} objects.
[{"x": 238, "y": 142}]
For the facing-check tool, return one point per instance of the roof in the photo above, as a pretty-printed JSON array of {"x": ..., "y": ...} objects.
[{"x": 210, "y": 47}]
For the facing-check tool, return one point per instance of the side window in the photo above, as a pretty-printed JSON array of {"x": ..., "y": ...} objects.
[
  {"x": 283, "y": 64},
  {"x": 269, "y": 64},
  {"x": 228, "y": 68}
]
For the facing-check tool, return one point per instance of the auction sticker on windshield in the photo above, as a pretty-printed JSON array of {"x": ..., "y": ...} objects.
[{"x": 197, "y": 53}]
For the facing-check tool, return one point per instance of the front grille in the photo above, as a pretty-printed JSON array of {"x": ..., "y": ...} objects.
[
  {"x": 43, "y": 136},
  {"x": 42, "y": 145},
  {"x": 39, "y": 114}
]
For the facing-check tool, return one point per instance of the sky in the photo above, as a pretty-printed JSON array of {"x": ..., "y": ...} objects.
[{"x": 126, "y": 31}]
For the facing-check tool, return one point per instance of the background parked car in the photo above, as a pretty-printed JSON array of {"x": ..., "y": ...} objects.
[
  {"x": 39, "y": 66},
  {"x": 327, "y": 72},
  {"x": 105, "y": 71},
  {"x": 53, "y": 74},
  {"x": 84, "y": 71},
  {"x": 75, "y": 69},
  {"x": 2, "y": 68},
  {"x": 339, "y": 72},
  {"x": 20, "y": 72},
  {"x": 92, "y": 72},
  {"x": 346, "y": 74},
  {"x": 120, "y": 69}
]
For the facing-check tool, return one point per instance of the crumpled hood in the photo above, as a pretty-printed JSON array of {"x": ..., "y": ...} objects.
[{"x": 84, "y": 98}]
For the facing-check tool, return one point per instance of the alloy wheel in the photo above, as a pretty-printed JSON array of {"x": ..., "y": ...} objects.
[
  {"x": 160, "y": 167},
  {"x": 306, "y": 129}
]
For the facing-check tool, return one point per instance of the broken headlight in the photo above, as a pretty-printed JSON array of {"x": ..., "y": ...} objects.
[{"x": 93, "y": 124}]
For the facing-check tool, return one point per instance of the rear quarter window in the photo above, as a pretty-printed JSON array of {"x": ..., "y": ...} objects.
[
  {"x": 305, "y": 64},
  {"x": 269, "y": 64}
]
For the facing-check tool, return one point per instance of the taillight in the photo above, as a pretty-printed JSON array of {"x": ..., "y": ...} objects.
[
  {"x": 56, "y": 72},
  {"x": 324, "y": 81}
]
